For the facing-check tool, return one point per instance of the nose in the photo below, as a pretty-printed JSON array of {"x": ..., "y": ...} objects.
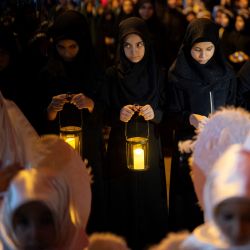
[
  {"x": 202, "y": 54},
  {"x": 67, "y": 53},
  {"x": 134, "y": 50}
]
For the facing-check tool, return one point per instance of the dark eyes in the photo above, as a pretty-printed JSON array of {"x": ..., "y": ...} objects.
[
  {"x": 199, "y": 50},
  {"x": 227, "y": 217},
  {"x": 23, "y": 221},
  {"x": 70, "y": 47},
  {"x": 138, "y": 45}
]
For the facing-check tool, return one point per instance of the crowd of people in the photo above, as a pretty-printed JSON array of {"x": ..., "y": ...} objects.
[{"x": 176, "y": 73}]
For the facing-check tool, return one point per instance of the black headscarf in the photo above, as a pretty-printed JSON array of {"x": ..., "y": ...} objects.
[
  {"x": 83, "y": 69},
  {"x": 73, "y": 25},
  {"x": 201, "y": 30},
  {"x": 137, "y": 81}
]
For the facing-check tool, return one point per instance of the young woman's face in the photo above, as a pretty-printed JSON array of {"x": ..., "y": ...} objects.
[
  {"x": 239, "y": 23},
  {"x": 146, "y": 11},
  {"x": 218, "y": 17},
  {"x": 134, "y": 48},
  {"x": 67, "y": 49},
  {"x": 224, "y": 20},
  {"x": 233, "y": 218},
  {"x": 34, "y": 227},
  {"x": 202, "y": 52},
  {"x": 128, "y": 7}
]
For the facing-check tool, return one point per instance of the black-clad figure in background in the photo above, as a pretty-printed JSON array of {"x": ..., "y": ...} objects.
[
  {"x": 200, "y": 81},
  {"x": 147, "y": 11},
  {"x": 70, "y": 82},
  {"x": 137, "y": 204},
  {"x": 9, "y": 65}
]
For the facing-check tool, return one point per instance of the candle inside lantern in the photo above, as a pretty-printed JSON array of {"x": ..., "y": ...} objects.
[
  {"x": 71, "y": 141},
  {"x": 73, "y": 136},
  {"x": 138, "y": 158}
]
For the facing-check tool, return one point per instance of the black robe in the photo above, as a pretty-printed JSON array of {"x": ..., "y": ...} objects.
[
  {"x": 78, "y": 76},
  {"x": 193, "y": 89},
  {"x": 136, "y": 201}
]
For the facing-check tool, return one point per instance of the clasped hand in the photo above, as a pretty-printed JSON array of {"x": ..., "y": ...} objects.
[
  {"x": 128, "y": 111},
  {"x": 79, "y": 100}
]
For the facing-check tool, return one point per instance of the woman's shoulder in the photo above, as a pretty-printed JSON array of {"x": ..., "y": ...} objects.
[{"x": 111, "y": 71}]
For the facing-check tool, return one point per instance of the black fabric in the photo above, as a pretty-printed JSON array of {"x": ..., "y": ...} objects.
[
  {"x": 157, "y": 33},
  {"x": 191, "y": 82},
  {"x": 73, "y": 25},
  {"x": 136, "y": 202},
  {"x": 81, "y": 75},
  {"x": 243, "y": 77},
  {"x": 135, "y": 85},
  {"x": 175, "y": 24},
  {"x": 201, "y": 30},
  {"x": 190, "y": 86}
]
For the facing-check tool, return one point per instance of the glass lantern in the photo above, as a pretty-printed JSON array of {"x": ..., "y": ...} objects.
[
  {"x": 137, "y": 150},
  {"x": 72, "y": 134}
]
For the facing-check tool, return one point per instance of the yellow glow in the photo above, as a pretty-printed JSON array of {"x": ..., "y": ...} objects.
[
  {"x": 139, "y": 158},
  {"x": 71, "y": 141}
]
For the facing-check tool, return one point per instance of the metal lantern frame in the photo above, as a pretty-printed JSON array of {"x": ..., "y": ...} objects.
[
  {"x": 137, "y": 150},
  {"x": 72, "y": 134}
]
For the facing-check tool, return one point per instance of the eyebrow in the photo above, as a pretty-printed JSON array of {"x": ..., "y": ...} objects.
[{"x": 131, "y": 44}]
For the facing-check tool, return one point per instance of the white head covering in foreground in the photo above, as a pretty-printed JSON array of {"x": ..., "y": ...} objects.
[
  {"x": 18, "y": 138},
  {"x": 224, "y": 128},
  {"x": 61, "y": 181},
  {"x": 229, "y": 178},
  {"x": 106, "y": 241}
]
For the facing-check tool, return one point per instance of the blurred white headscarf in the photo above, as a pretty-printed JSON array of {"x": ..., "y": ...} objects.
[
  {"x": 229, "y": 178},
  {"x": 18, "y": 138},
  {"x": 224, "y": 128},
  {"x": 60, "y": 180}
]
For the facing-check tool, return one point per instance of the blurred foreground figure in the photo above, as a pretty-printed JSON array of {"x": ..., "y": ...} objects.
[
  {"x": 47, "y": 206},
  {"x": 227, "y": 206}
]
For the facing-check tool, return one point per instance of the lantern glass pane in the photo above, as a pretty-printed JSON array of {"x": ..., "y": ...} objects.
[
  {"x": 137, "y": 153},
  {"x": 73, "y": 136}
]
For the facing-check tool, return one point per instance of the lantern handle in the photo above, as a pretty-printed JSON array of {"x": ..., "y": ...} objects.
[
  {"x": 126, "y": 125},
  {"x": 59, "y": 118}
]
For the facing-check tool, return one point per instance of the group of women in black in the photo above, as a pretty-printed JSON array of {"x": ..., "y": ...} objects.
[{"x": 130, "y": 203}]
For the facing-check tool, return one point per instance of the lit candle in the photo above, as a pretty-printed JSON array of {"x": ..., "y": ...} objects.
[
  {"x": 71, "y": 141},
  {"x": 138, "y": 159}
]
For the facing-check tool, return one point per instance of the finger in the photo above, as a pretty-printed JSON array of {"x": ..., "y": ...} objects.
[
  {"x": 127, "y": 112},
  {"x": 146, "y": 107},
  {"x": 148, "y": 117},
  {"x": 77, "y": 97}
]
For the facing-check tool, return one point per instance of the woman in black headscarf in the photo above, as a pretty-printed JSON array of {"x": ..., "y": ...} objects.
[
  {"x": 200, "y": 81},
  {"x": 69, "y": 83},
  {"x": 137, "y": 206}
]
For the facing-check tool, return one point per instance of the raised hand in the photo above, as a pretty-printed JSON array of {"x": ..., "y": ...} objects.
[
  {"x": 81, "y": 101},
  {"x": 126, "y": 113},
  {"x": 147, "y": 112}
]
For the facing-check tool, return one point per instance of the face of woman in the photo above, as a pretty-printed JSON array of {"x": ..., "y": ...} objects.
[
  {"x": 146, "y": 11},
  {"x": 233, "y": 218},
  {"x": 202, "y": 52},
  {"x": 34, "y": 227},
  {"x": 67, "y": 49},
  {"x": 134, "y": 48},
  {"x": 239, "y": 23},
  {"x": 224, "y": 20},
  {"x": 128, "y": 6}
]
